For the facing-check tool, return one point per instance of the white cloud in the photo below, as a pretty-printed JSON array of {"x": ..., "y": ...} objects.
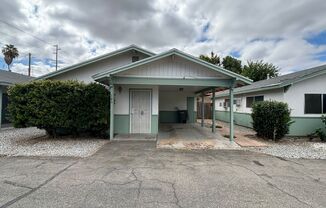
[
  {"x": 37, "y": 69},
  {"x": 274, "y": 31}
]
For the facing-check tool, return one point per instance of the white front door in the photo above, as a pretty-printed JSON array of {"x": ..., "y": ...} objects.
[{"x": 140, "y": 111}]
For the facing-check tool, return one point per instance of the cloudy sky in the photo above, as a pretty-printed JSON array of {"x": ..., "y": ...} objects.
[{"x": 290, "y": 34}]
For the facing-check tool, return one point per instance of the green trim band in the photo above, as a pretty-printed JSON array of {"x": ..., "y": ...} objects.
[
  {"x": 154, "y": 124},
  {"x": 302, "y": 126},
  {"x": 121, "y": 124}
]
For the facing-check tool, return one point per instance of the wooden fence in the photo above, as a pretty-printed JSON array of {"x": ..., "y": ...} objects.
[{"x": 207, "y": 110}]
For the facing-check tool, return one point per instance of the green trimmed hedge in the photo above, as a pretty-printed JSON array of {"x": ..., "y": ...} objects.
[
  {"x": 68, "y": 107},
  {"x": 271, "y": 119}
]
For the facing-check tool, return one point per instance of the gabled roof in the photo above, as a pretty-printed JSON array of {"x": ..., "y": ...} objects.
[
  {"x": 277, "y": 82},
  {"x": 9, "y": 78},
  {"x": 98, "y": 58},
  {"x": 174, "y": 51}
]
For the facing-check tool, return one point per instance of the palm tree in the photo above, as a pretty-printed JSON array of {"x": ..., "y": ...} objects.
[{"x": 10, "y": 52}]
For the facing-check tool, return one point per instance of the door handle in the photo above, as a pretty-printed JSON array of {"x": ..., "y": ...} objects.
[{"x": 142, "y": 113}]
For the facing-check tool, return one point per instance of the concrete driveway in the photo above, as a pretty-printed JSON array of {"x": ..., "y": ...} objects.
[{"x": 136, "y": 174}]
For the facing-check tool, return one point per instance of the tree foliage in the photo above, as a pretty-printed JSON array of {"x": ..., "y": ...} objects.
[
  {"x": 232, "y": 64},
  {"x": 60, "y": 106},
  {"x": 213, "y": 58},
  {"x": 10, "y": 52},
  {"x": 271, "y": 119},
  {"x": 259, "y": 70},
  {"x": 320, "y": 132},
  {"x": 256, "y": 71}
]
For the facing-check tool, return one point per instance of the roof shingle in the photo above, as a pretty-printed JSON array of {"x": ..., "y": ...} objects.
[
  {"x": 9, "y": 78},
  {"x": 276, "y": 82}
]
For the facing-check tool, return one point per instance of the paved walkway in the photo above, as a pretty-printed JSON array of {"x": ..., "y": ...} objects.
[
  {"x": 191, "y": 136},
  {"x": 136, "y": 174},
  {"x": 244, "y": 137}
]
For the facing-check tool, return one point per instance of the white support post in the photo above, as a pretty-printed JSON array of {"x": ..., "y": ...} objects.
[
  {"x": 213, "y": 110},
  {"x": 231, "y": 114},
  {"x": 202, "y": 110},
  {"x": 111, "y": 111}
]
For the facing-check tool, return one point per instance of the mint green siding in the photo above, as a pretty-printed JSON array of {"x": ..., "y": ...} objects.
[
  {"x": 190, "y": 109},
  {"x": 172, "y": 116},
  {"x": 241, "y": 119},
  {"x": 302, "y": 126},
  {"x": 154, "y": 124},
  {"x": 121, "y": 124},
  {"x": 168, "y": 117}
]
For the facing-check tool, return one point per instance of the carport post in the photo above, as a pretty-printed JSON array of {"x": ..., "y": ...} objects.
[
  {"x": 202, "y": 110},
  {"x": 111, "y": 111},
  {"x": 213, "y": 110},
  {"x": 231, "y": 114}
]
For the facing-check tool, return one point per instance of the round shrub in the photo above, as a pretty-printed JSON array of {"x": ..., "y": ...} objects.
[
  {"x": 271, "y": 119},
  {"x": 68, "y": 107}
]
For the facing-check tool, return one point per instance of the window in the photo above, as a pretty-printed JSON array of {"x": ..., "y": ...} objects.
[
  {"x": 324, "y": 103},
  {"x": 250, "y": 100},
  {"x": 227, "y": 102},
  {"x": 314, "y": 103},
  {"x": 135, "y": 58}
]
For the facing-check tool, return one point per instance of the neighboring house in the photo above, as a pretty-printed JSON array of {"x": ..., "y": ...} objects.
[
  {"x": 303, "y": 91},
  {"x": 148, "y": 89},
  {"x": 7, "y": 79}
]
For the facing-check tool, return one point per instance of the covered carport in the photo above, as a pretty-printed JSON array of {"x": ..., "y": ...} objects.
[
  {"x": 179, "y": 132},
  {"x": 171, "y": 75}
]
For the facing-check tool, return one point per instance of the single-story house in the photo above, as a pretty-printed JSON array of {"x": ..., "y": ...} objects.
[
  {"x": 304, "y": 91},
  {"x": 148, "y": 89},
  {"x": 7, "y": 79}
]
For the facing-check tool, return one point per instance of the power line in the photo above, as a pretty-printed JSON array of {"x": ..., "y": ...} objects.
[
  {"x": 56, "y": 56},
  {"x": 7, "y": 34},
  {"x": 30, "y": 34},
  {"x": 37, "y": 38}
]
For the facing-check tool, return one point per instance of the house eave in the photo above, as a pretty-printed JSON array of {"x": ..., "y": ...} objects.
[
  {"x": 94, "y": 60},
  {"x": 226, "y": 72},
  {"x": 251, "y": 91}
]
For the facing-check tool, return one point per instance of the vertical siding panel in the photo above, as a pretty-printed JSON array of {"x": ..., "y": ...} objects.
[{"x": 168, "y": 68}]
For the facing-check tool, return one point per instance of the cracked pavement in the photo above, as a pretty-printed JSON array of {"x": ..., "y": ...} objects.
[{"x": 136, "y": 174}]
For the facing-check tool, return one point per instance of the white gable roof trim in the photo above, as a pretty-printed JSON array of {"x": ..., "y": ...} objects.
[
  {"x": 231, "y": 74},
  {"x": 277, "y": 82},
  {"x": 96, "y": 59}
]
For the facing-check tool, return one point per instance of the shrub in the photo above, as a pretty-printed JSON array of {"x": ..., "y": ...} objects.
[
  {"x": 271, "y": 119},
  {"x": 60, "y": 106},
  {"x": 320, "y": 132}
]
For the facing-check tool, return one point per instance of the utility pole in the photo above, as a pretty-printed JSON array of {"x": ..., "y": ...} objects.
[
  {"x": 29, "y": 63},
  {"x": 56, "y": 56}
]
